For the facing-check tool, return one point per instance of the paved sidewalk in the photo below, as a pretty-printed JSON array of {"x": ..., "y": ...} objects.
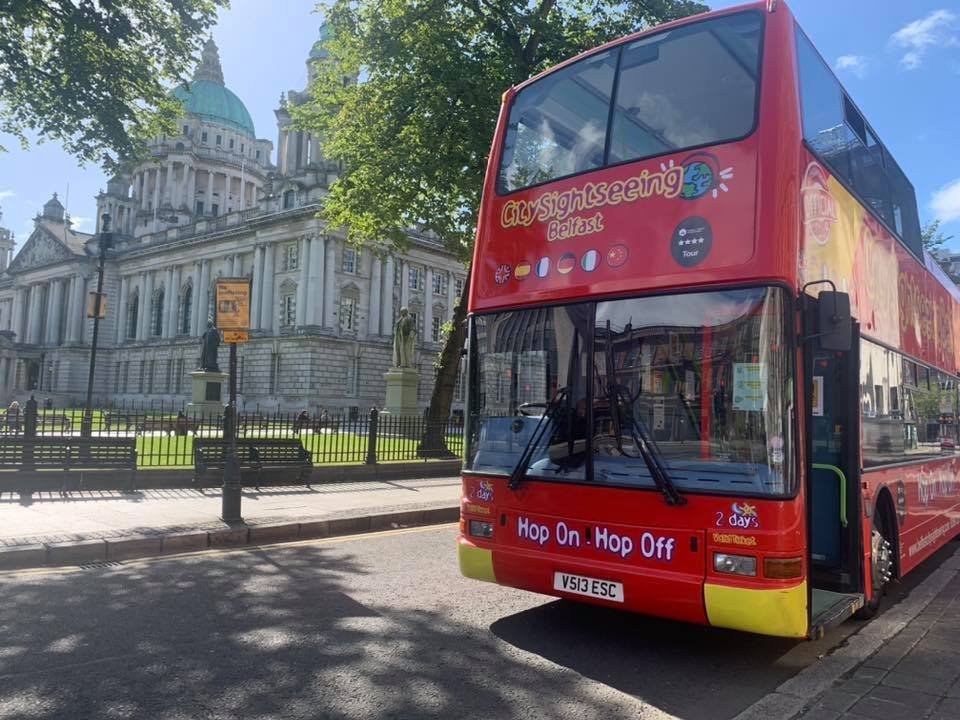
[
  {"x": 914, "y": 675},
  {"x": 82, "y": 516}
]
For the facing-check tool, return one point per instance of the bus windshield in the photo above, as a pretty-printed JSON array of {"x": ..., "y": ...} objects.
[
  {"x": 687, "y": 87},
  {"x": 580, "y": 392}
]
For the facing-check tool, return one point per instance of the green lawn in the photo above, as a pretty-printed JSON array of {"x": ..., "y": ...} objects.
[{"x": 163, "y": 451}]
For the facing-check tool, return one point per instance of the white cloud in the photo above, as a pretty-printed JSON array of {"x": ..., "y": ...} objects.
[
  {"x": 81, "y": 223},
  {"x": 855, "y": 64},
  {"x": 945, "y": 202},
  {"x": 920, "y": 35},
  {"x": 4, "y": 194}
]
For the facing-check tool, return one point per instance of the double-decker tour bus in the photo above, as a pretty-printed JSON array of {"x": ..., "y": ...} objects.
[{"x": 712, "y": 373}]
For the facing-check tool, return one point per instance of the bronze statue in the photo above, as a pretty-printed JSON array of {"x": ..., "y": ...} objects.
[
  {"x": 209, "y": 344},
  {"x": 404, "y": 340}
]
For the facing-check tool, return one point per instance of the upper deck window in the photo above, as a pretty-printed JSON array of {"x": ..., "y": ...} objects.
[
  {"x": 836, "y": 131},
  {"x": 558, "y": 125},
  {"x": 691, "y": 86}
]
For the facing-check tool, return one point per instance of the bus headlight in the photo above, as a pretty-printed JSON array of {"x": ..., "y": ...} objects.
[
  {"x": 481, "y": 529},
  {"x": 735, "y": 564}
]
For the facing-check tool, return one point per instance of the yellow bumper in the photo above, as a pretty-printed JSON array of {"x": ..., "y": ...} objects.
[
  {"x": 781, "y": 612},
  {"x": 475, "y": 562}
]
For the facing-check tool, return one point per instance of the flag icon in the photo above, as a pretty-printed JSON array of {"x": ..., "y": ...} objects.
[
  {"x": 617, "y": 255},
  {"x": 522, "y": 271},
  {"x": 502, "y": 274},
  {"x": 543, "y": 267},
  {"x": 566, "y": 263},
  {"x": 590, "y": 260}
]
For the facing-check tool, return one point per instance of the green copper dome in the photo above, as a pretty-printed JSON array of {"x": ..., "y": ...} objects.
[
  {"x": 207, "y": 97},
  {"x": 215, "y": 103},
  {"x": 319, "y": 49}
]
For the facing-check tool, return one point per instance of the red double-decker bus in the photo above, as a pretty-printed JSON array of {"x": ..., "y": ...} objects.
[{"x": 712, "y": 373}]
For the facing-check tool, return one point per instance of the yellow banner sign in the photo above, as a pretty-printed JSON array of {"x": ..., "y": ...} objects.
[
  {"x": 233, "y": 304},
  {"x": 92, "y": 305},
  {"x": 235, "y": 336}
]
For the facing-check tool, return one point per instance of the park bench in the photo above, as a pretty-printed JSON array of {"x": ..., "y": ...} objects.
[
  {"x": 66, "y": 463},
  {"x": 59, "y": 422},
  {"x": 273, "y": 461},
  {"x": 118, "y": 421}
]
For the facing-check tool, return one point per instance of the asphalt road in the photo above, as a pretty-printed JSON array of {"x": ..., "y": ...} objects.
[{"x": 375, "y": 626}]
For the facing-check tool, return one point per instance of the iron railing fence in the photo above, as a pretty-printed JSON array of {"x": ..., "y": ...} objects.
[{"x": 165, "y": 432}]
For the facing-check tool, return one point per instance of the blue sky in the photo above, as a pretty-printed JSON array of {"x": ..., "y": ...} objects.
[{"x": 899, "y": 61}]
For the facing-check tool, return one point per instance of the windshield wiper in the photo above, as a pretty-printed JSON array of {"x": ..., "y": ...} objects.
[
  {"x": 650, "y": 453},
  {"x": 520, "y": 470}
]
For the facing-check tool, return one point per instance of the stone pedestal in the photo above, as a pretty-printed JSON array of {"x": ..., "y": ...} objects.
[
  {"x": 402, "y": 391},
  {"x": 210, "y": 392}
]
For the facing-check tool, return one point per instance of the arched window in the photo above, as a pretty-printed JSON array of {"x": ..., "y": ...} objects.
[
  {"x": 133, "y": 313},
  {"x": 185, "y": 315},
  {"x": 156, "y": 313}
]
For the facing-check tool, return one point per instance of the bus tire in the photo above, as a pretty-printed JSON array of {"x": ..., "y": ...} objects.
[{"x": 882, "y": 559}]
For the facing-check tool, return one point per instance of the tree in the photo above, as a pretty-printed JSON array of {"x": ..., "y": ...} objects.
[
  {"x": 94, "y": 74},
  {"x": 934, "y": 242},
  {"x": 414, "y": 131}
]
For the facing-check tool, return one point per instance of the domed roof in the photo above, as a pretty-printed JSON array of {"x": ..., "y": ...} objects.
[
  {"x": 319, "y": 49},
  {"x": 207, "y": 97},
  {"x": 215, "y": 103}
]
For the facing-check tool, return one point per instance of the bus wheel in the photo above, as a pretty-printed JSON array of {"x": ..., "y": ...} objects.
[{"x": 881, "y": 562}]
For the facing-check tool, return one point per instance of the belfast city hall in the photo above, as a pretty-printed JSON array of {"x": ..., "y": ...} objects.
[{"x": 215, "y": 201}]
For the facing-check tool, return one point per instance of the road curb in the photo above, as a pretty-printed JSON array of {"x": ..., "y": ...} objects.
[
  {"x": 805, "y": 688},
  {"x": 132, "y": 547}
]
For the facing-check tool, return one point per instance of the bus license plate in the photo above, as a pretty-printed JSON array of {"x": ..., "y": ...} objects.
[{"x": 591, "y": 587}]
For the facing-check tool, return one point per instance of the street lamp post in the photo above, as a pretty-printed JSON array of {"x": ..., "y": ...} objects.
[{"x": 104, "y": 243}]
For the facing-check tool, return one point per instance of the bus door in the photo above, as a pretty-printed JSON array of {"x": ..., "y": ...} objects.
[{"x": 833, "y": 477}]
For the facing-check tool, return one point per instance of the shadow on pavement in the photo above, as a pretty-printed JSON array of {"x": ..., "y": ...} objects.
[
  {"x": 693, "y": 672},
  {"x": 259, "y": 635}
]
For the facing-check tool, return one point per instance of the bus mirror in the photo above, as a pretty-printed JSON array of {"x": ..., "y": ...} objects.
[{"x": 836, "y": 325}]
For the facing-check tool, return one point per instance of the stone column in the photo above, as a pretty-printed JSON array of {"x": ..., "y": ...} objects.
[
  {"x": 147, "y": 330},
  {"x": 121, "y": 310},
  {"x": 329, "y": 282},
  {"x": 208, "y": 200},
  {"x": 56, "y": 312},
  {"x": 17, "y": 315},
  {"x": 33, "y": 314},
  {"x": 204, "y": 300},
  {"x": 156, "y": 189},
  {"x": 304, "y": 280},
  {"x": 266, "y": 296},
  {"x": 315, "y": 288},
  {"x": 143, "y": 189},
  {"x": 373, "y": 315},
  {"x": 168, "y": 187},
  {"x": 387, "y": 320},
  {"x": 168, "y": 301},
  {"x": 451, "y": 294},
  {"x": 80, "y": 308},
  {"x": 88, "y": 285},
  {"x": 49, "y": 314},
  {"x": 257, "y": 288},
  {"x": 174, "y": 302},
  {"x": 195, "y": 300},
  {"x": 405, "y": 284},
  {"x": 143, "y": 302},
  {"x": 428, "y": 306}
]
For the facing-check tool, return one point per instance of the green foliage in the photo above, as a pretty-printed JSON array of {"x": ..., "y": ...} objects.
[
  {"x": 94, "y": 74},
  {"x": 415, "y": 131},
  {"x": 934, "y": 242}
]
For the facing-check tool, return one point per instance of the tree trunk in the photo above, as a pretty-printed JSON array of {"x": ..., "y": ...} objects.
[{"x": 434, "y": 440}]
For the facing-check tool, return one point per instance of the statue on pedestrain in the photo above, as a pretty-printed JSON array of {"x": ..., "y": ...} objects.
[
  {"x": 404, "y": 340},
  {"x": 210, "y": 344}
]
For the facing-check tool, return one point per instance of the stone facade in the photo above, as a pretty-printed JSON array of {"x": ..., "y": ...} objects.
[{"x": 209, "y": 204}]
